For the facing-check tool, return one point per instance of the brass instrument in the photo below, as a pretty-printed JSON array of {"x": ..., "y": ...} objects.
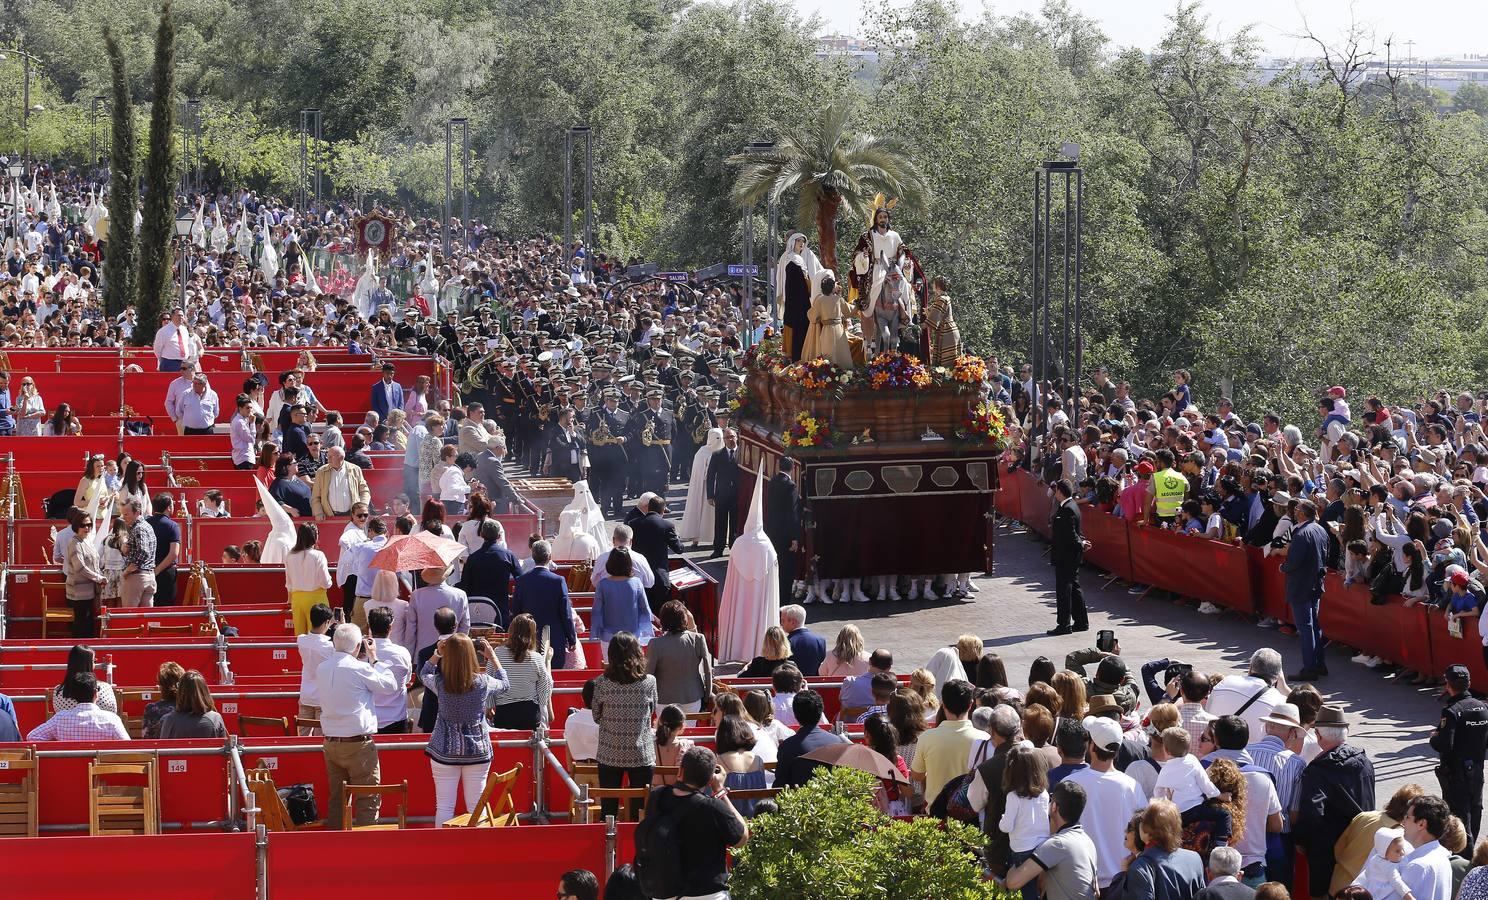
[
  {"x": 601, "y": 437},
  {"x": 700, "y": 433},
  {"x": 475, "y": 371},
  {"x": 648, "y": 434}
]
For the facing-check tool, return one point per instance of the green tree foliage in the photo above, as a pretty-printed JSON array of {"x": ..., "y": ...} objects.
[
  {"x": 157, "y": 231},
  {"x": 123, "y": 251},
  {"x": 830, "y": 840}
]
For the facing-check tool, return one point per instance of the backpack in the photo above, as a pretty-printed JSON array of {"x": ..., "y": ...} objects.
[
  {"x": 658, "y": 860},
  {"x": 299, "y": 802}
]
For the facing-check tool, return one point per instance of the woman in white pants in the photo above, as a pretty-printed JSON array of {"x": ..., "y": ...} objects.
[{"x": 460, "y": 745}]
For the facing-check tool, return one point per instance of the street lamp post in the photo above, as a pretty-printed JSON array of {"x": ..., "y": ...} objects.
[
  {"x": 450, "y": 125},
  {"x": 587, "y": 133},
  {"x": 26, "y": 108},
  {"x": 93, "y": 131},
  {"x": 184, "y": 222},
  {"x": 15, "y": 171},
  {"x": 772, "y": 221},
  {"x": 310, "y": 161}
]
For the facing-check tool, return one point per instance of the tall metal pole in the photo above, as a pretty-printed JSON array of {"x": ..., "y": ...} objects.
[
  {"x": 464, "y": 183},
  {"x": 588, "y": 198},
  {"x": 567, "y": 196},
  {"x": 1044, "y": 346},
  {"x": 1033, "y": 320},
  {"x": 445, "y": 227},
  {"x": 1079, "y": 247},
  {"x": 304, "y": 163},
  {"x": 1066, "y": 392},
  {"x": 93, "y": 134},
  {"x": 772, "y": 234},
  {"x": 26, "y": 104},
  {"x": 748, "y": 253},
  {"x": 319, "y": 150}
]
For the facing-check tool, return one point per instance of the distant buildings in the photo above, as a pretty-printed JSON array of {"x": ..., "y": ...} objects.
[{"x": 1444, "y": 74}]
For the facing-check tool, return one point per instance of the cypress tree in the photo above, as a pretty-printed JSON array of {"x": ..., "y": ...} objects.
[
  {"x": 158, "y": 229},
  {"x": 121, "y": 251}
]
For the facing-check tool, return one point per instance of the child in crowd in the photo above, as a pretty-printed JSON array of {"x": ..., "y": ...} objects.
[
  {"x": 212, "y": 506},
  {"x": 1026, "y": 818},
  {"x": 1191, "y": 518},
  {"x": 580, "y": 730},
  {"x": 1381, "y": 875},
  {"x": 1182, "y": 779},
  {"x": 670, "y": 745},
  {"x": 785, "y": 682},
  {"x": 1213, "y": 521},
  {"x": 1340, "y": 406},
  {"x": 1461, "y": 600},
  {"x": 1356, "y": 563}
]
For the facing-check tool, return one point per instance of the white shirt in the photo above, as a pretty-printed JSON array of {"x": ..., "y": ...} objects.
[
  {"x": 350, "y": 537},
  {"x": 360, "y": 562},
  {"x": 306, "y": 571},
  {"x": 1234, "y": 691},
  {"x": 348, "y": 689},
  {"x": 338, "y": 491},
  {"x": 314, "y": 650},
  {"x": 1427, "y": 871},
  {"x": 640, "y": 569},
  {"x": 392, "y": 708},
  {"x": 452, "y": 485},
  {"x": 168, "y": 344},
  {"x": 1025, "y": 821},
  {"x": 1111, "y": 799},
  {"x": 198, "y": 410},
  {"x": 1074, "y": 464},
  {"x": 582, "y": 734},
  {"x": 173, "y": 392},
  {"x": 1184, "y": 781},
  {"x": 241, "y": 434}
]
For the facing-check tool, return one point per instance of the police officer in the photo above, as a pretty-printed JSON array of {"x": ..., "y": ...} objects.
[{"x": 1461, "y": 739}]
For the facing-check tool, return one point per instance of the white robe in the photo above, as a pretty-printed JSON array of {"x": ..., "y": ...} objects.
[
  {"x": 590, "y": 517},
  {"x": 572, "y": 542},
  {"x": 751, "y": 589},
  {"x": 697, "y": 515},
  {"x": 281, "y": 537}
]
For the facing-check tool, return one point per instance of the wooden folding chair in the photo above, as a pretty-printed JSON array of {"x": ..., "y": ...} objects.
[
  {"x": 51, "y": 590},
  {"x": 158, "y": 628},
  {"x": 629, "y": 810},
  {"x": 118, "y": 631},
  {"x": 131, "y": 706},
  {"x": 311, "y": 726},
  {"x": 579, "y": 577},
  {"x": 698, "y": 719},
  {"x": 18, "y": 797},
  {"x": 271, "y": 810},
  {"x": 495, "y": 808},
  {"x": 353, "y": 791},
  {"x": 270, "y": 725},
  {"x": 850, "y": 713},
  {"x": 130, "y": 808},
  {"x": 667, "y": 774}
]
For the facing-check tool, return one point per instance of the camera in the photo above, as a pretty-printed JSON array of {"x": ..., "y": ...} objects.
[
  {"x": 1105, "y": 640},
  {"x": 1176, "y": 670}
]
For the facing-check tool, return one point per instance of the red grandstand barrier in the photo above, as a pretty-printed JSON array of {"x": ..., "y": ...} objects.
[
  {"x": 1038, "y": 504},
  {"x": 1192, "y": 566},
  {"x": 130, "y": 867},
  {"x": 134, "y": 661},
  {"x": 1110, "y": 544},
  {"x": 49, "y": 453},
  {"x": 522, "y": 862},
  {"x": 296, "y": 760},
  {"x": 1390, "y": 631},
  {"x": 1270, "y": 585}
]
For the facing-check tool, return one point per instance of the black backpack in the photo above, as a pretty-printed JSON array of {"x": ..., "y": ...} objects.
[
  {"x": 658, "y": 860},
  {"x": 299, "y": 802}
]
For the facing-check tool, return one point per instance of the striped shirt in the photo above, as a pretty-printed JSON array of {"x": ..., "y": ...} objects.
[
  {"x": 1195, "y": 719},
  {"x": 529, "y": 680},
  {"x": 84, "y": 722},
  {"x": 1286, "y": 769}
]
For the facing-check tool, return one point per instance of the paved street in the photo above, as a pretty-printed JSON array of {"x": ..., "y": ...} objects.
[{"x": 1016, "y": 605}]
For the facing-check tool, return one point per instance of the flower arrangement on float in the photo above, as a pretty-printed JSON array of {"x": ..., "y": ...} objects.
[
  {"x": 819, "y": 374},
  {"x": 893, "y": 370},
  {"x": 969, "y": 370},
  {"x": 984, "y": 423},
  {"x": 808, "y": 431}
]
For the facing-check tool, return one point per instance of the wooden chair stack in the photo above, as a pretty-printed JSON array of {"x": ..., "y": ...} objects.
[
  {"x": 495, "y": 808},
  {"x": 131, "y": 807},
  {"x": 272, "y": 812}
]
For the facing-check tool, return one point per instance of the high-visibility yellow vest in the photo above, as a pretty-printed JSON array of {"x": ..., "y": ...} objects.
[{"x": 1168, "y": 488}]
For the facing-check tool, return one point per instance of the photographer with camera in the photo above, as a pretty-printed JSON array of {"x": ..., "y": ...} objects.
[{"x": 350, "y": 685}]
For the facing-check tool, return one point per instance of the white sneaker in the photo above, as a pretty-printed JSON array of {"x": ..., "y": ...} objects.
[
  {"x": 914, "y": 590},
  {"x": 861, "y": 597},
  {"x": 1209, "y": 609},
  {"x": 1268, "y": 622},
  {"x": 1375, "y": 662},
  {"x": 895, "y": 596},
  {"x": 1360, "y": 658},
  {"x": 971, "y": 587},
  {"x": 810, "y": 597}
]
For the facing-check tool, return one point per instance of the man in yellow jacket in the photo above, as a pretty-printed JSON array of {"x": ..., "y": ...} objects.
[{"x": 338, "y": 485}]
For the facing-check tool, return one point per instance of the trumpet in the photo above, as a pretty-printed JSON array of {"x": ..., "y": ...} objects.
[
  {"x": 601, "y": 437},
  {"x": 648, "y": 434}
]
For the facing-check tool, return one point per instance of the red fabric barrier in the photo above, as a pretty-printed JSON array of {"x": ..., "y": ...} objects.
[
  {"x": 130, "y": 867},
  {"x": 1192, "y": 566},
  {"x": 1270, "y": 585},
  {"x": 400, "y": 757},
  {"x": 1110, "y": 546},
  {"x": 517, "y": 862},
  {"x": 1446, "y": 650},
  {"x": 1038, "y": 505},
  {"x": 1009, "y": 499},
  {"x": 50, "y": 453},
  {"x": 1390, "y": 631}
]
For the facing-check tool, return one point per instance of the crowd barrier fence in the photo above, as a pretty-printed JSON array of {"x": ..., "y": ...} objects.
[{"x": 1243, "y": 579}]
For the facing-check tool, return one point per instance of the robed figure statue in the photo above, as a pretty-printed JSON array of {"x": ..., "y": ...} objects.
[{"x": 795, "y": 276}]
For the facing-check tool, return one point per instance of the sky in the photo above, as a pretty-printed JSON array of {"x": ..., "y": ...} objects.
[{"x": 1439, "y": 28}]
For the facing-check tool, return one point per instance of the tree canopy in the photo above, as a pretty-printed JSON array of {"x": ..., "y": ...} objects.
[{"x": 1287, "y": 234}]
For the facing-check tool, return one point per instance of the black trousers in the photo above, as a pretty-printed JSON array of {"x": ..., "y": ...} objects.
[
  {"x": 787, "y": 560},
  {"x": 725, "y": 521},
  {"x": 165, "y": 587},
  {"x": 85, "y": 620},
  {"x": 348, "y": 596},
  {"x": 244, "y": 467},
  {"x": 611, "y": 776},
  {"x": 190, "y": 430},
  {"x": 1067, "y": 594},
  {"x": 1462, "y": 788},
  {"x": 403, "y": 727},
  {"x": 521, "y": 715}
]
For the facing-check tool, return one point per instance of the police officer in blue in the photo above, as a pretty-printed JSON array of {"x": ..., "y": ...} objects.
[{"x": 1461, "y": 739}]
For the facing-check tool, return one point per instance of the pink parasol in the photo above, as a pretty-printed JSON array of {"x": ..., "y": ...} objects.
[{"x": 418, "y": 551}]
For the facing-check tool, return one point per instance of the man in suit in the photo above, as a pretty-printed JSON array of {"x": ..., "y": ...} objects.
[
  {"x": 387, "y": 394},
  {"x": 655, "y": 538},
  {"x": 490, "y": 570},
  {"x": 783, "y": 523},
  {"x": 1305, "y": 565},
  {"x": 723, "y": 491},
  {"x": 477, "y": 433},
  {"x": 1067, "y": 551},
  {"x": 491, "y": 472},
  {"x": 790, "y": 769},
  {"x": 1224, "y": 877},
  {"x": 543, "y": 595},
  {"x": 808, "y": 648},
  {"x": 338, "y": 486}
]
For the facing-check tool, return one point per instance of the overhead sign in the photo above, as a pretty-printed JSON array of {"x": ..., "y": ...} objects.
[
  {"x": 739, "y": 271},
  {"x": 644, "y": 270},
  {"x": 673, "y": 276},
  {"x": 714, "y": 271}
]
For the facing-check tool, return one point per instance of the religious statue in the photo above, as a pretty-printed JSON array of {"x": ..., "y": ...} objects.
[
  {"x": 945, "y": 337},
  {"x": 827, "y": 335},
  {"x": 888, "y": 312},
  {"x": 795, "y": 275},
  {"x": 879, "y": 249}
]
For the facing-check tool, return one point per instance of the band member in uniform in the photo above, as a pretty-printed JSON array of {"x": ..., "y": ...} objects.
[
  {"x": 651, "y": 441},
  {"x": 566, "y": 448},
  {"x": 607, "y": 428}
]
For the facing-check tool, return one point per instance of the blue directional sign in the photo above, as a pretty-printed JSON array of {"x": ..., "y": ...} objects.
[
  {"x": 739, "y": 271},
  {"x": 673, "y": 276}
]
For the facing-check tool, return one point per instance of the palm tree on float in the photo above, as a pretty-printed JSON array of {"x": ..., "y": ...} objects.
[{"x": 830, "y": 169}]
